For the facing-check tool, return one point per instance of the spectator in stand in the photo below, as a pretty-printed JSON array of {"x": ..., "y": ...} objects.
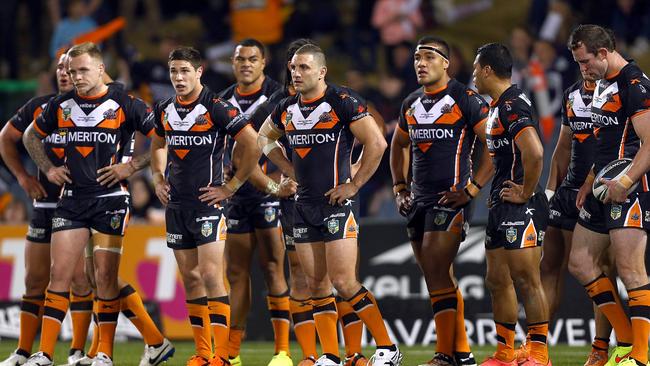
[
  {"x": 14, "y": 213},
  {"x": 397, "y": 21},
  {"x": 150, "y": 76},
  {"x": 459, "y": 69},
  {"x": 77, "y": 22},
  {"x": 521, "y": 47}
]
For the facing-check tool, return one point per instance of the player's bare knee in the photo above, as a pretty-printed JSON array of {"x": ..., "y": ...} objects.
[
  {"x": 496, "y": 282},
  {"x": 35, "y": 285},
  {"x": 633, "y": 276},
  {"x": 579, "y": 268},
  {"x": 80, "y": 285},
  {"x": 191, "y": 280},
  {"x": 105, "y": 277},
  {"x": 346, "y": 287}
]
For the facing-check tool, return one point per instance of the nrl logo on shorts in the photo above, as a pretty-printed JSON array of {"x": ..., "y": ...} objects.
[
  {"x": 615, "y": 213},
  {"x": 511, "y": 234},
  {"x": 200, "y": 120},
  {"x": 333, "y": 226},
  {"x": 67, "y": 112},
  {"x": 115, "y": 222},
  {"x": 440, "y": 218},
  {"x": 206, "y": 228},
  {"x": 110, "y": 114},
  {"x": 269, "y": 214}
]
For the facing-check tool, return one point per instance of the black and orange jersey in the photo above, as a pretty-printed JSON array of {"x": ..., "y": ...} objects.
[
  {"x": 247, "y": 104},
  {"x": 53, "y": 146},
  {"x": 195, "y": 134},
  {"x": 318, "y": 132},
  {"x": 615, "y": 101},
  {"x": 511, "y": 114},
  {"x": 95, "y": 132},
  {"x": 576, "y": 114},
  {"x": 440, "y": 126}
]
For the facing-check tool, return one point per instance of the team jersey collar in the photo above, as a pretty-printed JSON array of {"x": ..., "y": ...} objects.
[
  {"x": 186, "y": 104},
  {"x": 504, "y": 95},
  {"x": 90, "y": 97},
  {"x": 437, "y": 91},
  {"x": 310, "y": 101}
]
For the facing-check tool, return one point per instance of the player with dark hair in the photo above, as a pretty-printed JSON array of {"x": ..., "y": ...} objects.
[
  {"x": 439, "y": 125},
  {"x": 518, "y": 209},
  {"x": 320, "y": 123},
  {"x": 186, "y": 161},
  {"x": 254, "y": 214},
  {"x": 619, "y": 112}
]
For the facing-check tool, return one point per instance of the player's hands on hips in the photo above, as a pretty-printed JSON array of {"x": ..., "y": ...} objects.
[
  {"x": 616, "y": 193},
  {"x": 454, "y": 199},
  {"x": 32, "y": 187},
  {"x": 112, "y": 174},
  {"x": 340, "y": 193},
  {"x": 404, "y": 202},
  {"x": 214, "y": 195},
  {"x": 288, "y": 187},
  {"x": 583, "y": 192},
  {"x": 161, "y": 187},
  {"x": 513, "y": 193},
  {"x": 58, "y": 175}
]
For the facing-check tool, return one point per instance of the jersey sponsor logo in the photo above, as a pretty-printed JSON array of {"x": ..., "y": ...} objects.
[
  {"x": 577, "y": 126},
  {"x": 419, "y": 134},
  {"x": 73, "y": 112},
  {"x": 173, "y": 238},
  {"x": 88, "y": 136},
  {"x": 195, "y": 140},
  {"x": 35, "y": 232},
  {"x": 495, "y": 144},
  {"x": 601, "y": 120},
  {"x": 311, "y": 138}
]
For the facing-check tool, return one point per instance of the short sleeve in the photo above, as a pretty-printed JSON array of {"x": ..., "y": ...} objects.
[
  {"x": 228, "y": 117},
  {"x": 353, "y": 107},
  {"x": 402, "y": 123},
  {"x": 140, "y": 116},
  {"x": 277, "y": 115},
  {"x": 564, "y": 110},
  {"x": 24, "y": 116},
  {"x": 477, "y": 109},
  {"x": 48, "y": 122},
  {"x": 155, "y": 118},
  {"x": 265, "y": 109},
  {"x": 518, "y": 118},
  {"x": 638, "y": 98}
]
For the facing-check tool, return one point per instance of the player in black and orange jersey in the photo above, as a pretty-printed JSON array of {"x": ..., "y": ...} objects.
[
  {"x": 439, "y": 124},
  {"x": 253, "y": 215},
  {"x": 191, "y": 130},
  {"x": 320, "y": 124},
  {"x": 518, "y": 209},
  {"x": 37, "y": 255},
  {"x": 96, "y": 124},
  {"x": 571, "y": 162},
  {"x": 620, "y": 113}
]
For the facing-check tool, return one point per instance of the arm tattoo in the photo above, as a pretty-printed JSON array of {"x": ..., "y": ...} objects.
[{"x": 36, "y": 150}]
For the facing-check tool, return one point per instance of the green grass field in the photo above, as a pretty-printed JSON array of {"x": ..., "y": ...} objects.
[{"x": 259, "y": 353}]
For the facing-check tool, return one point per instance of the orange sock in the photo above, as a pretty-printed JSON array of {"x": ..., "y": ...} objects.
[
  {"x": 365, "y": 306},
  {"x": 505, "y": 342},
  {"x": 325, "y": 319},
  {"x": 538, "y": 345},
  {"x": 56, "y": 306},
  {"x": 234, "y": 342},
  {"x": 133, "y": 308},
  {"x": 302, "y": 315},
  {"x": 81, "y": 311},
  {"x": 444, "y": 303},
  {"x": 31, "y": 309},
  {"x": 279, "y": 309},
  {"x": 219, "y": 309},
  {"x": 107, "y": 314},
  {"x": 92, "y": 351},
  {"x": 198, "y": 313},
  {"x": 352, "y": 326},
  {"x": 640, "y": 314},
  {"x": 461, "y": 342},
  {"x": 603, "y": 294},
  {"x": 600, "y": 344}
]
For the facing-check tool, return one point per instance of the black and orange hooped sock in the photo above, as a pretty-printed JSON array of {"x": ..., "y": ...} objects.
[
  {"x": 538, "y": 333},
  {"x": 219, "y": 310},
  {"x": 279, "y": 310},
  {"x": 107, "y": 314},
  {"x": 133, "y": 308},
  {"x": 198, "y": 313},
  {"x": 505, "y": 342},
  {"x": 640, "y": 315},
  {"x": 56, "y": 306},
  {"x": 461, "y": 342},
  {"x": 302, "y": 315},
  {"x": 602, "y": 293},
  {"x": 31, "y": 309},
  {"x": 365, "y": 305},
  {"x": 81, "y": 311},
  {"x": 352, "y": 326},
  {"x": 325, "y": 318},
  {"x": 444, "y": 304}
]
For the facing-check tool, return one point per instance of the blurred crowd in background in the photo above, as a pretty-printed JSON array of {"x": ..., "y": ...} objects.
[{"x": 369, "y": 45}]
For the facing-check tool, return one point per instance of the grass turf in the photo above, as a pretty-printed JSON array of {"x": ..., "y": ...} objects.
[{"x": 259, "y": 353}]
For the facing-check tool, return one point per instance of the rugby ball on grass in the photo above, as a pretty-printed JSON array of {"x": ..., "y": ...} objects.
[{"x": 612, "y": 171}]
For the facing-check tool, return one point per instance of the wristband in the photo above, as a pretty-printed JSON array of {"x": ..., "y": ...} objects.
[
  {"x": 272, "y": 187},
  {"x": 549, "y": 194},
  {"x": 590, "y": 178},
  {"x": 233, "y": 184},
  {"x": 472, "y": 190},
  {"x": 397, "y": 188},
  {"x": 476, "y": 184},
  {"x": 625, "y": 181},
  {"x": 269, "y": 147}
]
